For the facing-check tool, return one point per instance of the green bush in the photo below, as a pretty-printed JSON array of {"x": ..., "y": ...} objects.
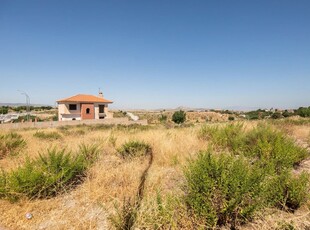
[
  {"x": 287, "y": 191},
  {"x": 49, "y": 174},
  {"x": 273, "y": 147},
  {"x": 231, "y": 118},
  {"x": 163, "y": 118},
  {"x": 276, "y": 115},
  {"x": 229, "y": 137},
  {"x": 134, "y": 149},
  {"x": 11, "y": 144},
  {"x": 48, "y": 136},
  {"x": 223, "y": 189},
  {"x": 303, "y": 111},
  {"x": 262, "y": 144},
  {"x": 179, "y": 117}
]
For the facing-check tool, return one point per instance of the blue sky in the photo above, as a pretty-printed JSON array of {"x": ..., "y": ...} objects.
[{"x": 157, "y": 54}]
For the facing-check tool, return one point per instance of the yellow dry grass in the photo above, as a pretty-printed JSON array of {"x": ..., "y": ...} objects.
[{"x": 112, "y": 179}]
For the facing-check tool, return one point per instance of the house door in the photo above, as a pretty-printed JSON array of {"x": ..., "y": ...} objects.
[{"x": 87, "y": 111}]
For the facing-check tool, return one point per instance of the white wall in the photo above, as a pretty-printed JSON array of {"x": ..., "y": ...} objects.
[{"x": 64, "y": 114}]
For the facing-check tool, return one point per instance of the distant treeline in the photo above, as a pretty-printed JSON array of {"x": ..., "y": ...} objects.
[
  {"x": 6, "y": 109},
  {"x": 261, "y": 114}
]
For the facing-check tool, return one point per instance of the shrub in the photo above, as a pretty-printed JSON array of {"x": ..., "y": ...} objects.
[
  {"x": 276, "y": 115},
  {"x": 48, "y": 136},
  {"x": 46, "y": 176},
  {"x": 263, "y": 144},
  {"x": 231, "y": 118},
  {"x": 11, "y": 144},
  {"x": 179, "y": 117},
  {"x": 163, "y": 118},
  {"x": 3, "y": 184},
  {"x": 222, "y": 189},
  {"x": 230, "y": 136},
  {"x": 287, "y": 191},
  {"x": 134, "y": 149},
  {"x": 273, "y": 147}
]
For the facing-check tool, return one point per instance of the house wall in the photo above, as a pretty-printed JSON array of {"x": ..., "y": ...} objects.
[
  {"x": 106, "y": 110},
  {"x": 64, "y": 114}
]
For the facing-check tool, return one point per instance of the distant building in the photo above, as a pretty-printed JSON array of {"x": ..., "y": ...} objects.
[{"x": 83, "y": 107}]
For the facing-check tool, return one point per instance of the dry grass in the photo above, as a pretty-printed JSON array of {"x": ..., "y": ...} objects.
[{"x": 112, "y": 179}]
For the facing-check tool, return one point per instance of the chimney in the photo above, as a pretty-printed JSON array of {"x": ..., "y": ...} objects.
[{"x": 100, "y": 94}]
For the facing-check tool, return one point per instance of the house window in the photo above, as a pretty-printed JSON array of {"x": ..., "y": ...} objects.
[
  {"x": 88, "y": 111},
  {"x": 72, "y": 106},
  {"x": 101, "y": 108}
]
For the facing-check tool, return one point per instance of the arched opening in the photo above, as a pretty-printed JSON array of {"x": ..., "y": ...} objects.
[{"x": 88, "y": 111}]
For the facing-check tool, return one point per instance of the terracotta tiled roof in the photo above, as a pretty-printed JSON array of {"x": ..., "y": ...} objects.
[{"x": 85, "y": 98}]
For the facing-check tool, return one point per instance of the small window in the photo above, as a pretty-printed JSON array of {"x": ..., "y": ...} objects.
[
  {"x": 87, "y": 111},
  {"x": 101, "y": 108},
  {"x": 72, "y": 106}
]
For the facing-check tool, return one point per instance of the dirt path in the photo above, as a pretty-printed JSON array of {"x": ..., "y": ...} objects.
[{"x": 129, "y": 219}]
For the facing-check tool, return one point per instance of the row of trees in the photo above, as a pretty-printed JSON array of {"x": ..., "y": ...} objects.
[
  {"x": 261, "y": 114},
  {"x": 6, "y": 109}
]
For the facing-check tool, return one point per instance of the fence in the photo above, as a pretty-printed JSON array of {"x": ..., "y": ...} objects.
[{"x": 54, "y": 124}]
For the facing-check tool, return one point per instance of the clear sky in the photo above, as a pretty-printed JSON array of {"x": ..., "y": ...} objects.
[{"x": 157, "y": 54}]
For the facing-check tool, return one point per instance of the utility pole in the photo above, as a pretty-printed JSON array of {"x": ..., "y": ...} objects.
[{"x": 27, "y": 103}]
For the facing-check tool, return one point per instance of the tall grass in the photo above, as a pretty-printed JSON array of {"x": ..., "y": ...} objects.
[
  {"x": 47, "y": 135},
  {"x": 133, "y": 148},
  {"x": 11, "y": 144}
]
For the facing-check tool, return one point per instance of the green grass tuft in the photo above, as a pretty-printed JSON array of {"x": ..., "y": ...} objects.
[
  {"x": 11, "y": 144},
  {"x": 134, "y": 149}
]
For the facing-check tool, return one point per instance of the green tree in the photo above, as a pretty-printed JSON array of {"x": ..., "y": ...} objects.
[
  {"x": 179, "y": 117},
  {"x": 4, "y": 110}
]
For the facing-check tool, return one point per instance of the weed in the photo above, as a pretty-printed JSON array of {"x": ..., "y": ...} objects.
[
  {"x": 125, "y": 216},
  {"x": 45, "y": 176},
  {"x": 89, "y": 152},
  {"x": 47, "y": 136},
  {"x": 11, "y": 144},
  {"x": 134, "y": 149},
  {"x": 112, "y": 140}
]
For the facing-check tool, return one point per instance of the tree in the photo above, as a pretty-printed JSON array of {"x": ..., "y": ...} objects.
[
  {"x": 179, "y": 117},
  {"x": 276, "y": 115}
]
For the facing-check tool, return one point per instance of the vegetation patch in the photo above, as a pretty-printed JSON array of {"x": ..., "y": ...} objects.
[
  {"x": 273, "y": 148},
  {"x": 230, "y": 137},
  {"x": 48, "y": 175},
  {"x": 132, "y": 149},
  {"x": 263, "y": 144},
  {"x": 223, "y": 189},
  {"x": 287, "y": 191},
  {"x": 47, "y": 135},
  {"x": 179, "y": 117},
  {"x": 11, "y": 144},
  {"x": 226, "y": 189}
]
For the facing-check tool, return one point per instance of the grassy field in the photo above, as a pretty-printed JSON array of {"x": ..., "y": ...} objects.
[{"x": 250, "y": 175}]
